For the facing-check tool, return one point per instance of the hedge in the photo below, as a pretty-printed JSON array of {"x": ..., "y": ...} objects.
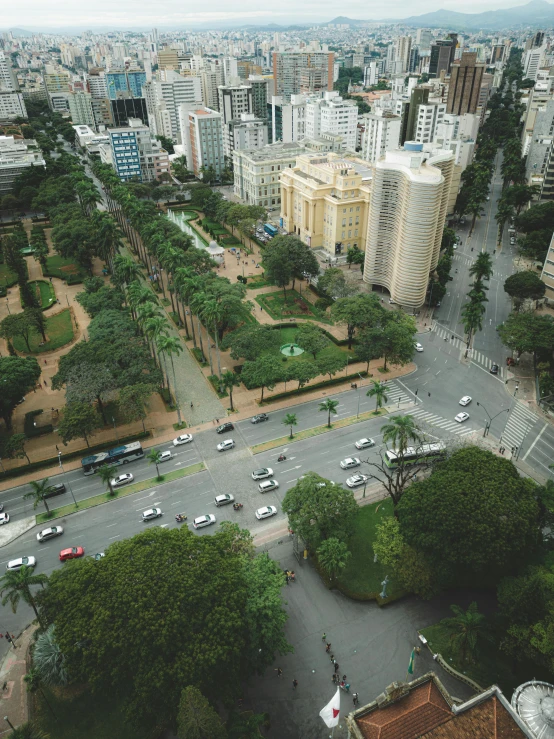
[
  {"x": 79, "y": 454},
  {"x": 29, "y": 427},
  {"x": 318, "y": 385},
  {"x": 294, "y": 324}
]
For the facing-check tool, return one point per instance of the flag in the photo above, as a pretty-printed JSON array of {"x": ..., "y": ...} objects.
[
  {"x": 330, "y": 714},
  {"x": 411, "y": 665}
]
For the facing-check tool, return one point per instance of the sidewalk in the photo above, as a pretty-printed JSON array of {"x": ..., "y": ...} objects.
[{"x": 15, "y": 698}]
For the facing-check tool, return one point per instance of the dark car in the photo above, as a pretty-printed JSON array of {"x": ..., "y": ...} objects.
[
  {"x": 259, "y": 418},
  {"x": 224, "y": 427},
  {"x": 57, "y": 489},
  {"x": 494, "y": 369}
]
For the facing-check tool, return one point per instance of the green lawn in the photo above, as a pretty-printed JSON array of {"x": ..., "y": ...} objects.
[
  {"x": 60, "y": 267},
  {"x": 7, "y": 277},
  {"x": 362, "y": 577},
  {"x": 257, "y": 281},
  {"x": 59, "y": 330},
  {"x": 294, "y": 307},
  {"x": 287, "y": 336},
  {"x": 45, "y": 291},
  {"x": 83, "y": 715}
]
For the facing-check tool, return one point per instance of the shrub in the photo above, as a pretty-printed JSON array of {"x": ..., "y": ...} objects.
[
  {"x": 29, "y": 427},
  {"x": 323, "y": 303}
]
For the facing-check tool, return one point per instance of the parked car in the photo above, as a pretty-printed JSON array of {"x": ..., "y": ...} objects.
[
  {"x": 262, "y": 473},
  {"x": 224, "y": 445},
  {"x": 4, "y": 518},
  {"x": 224, "y": 499},
  {"x": 49, "y": 533},
  {"x": 267, "y": 485},
  {"x": 357, "y": 480},
  {"x": 350, "y": 462},
  {"x": 182, "y": 439},
  {"x": 164, "y": 456},
  {"x": 152, "y": 513},
  {"x": 494, "y": 369},
  {"x": 259, "y": 418},
  {"x": 120, "y": 480},
  {"x": 56, "y": 489},
  {"x": 202, "y": 521},
  {"x": 266, "y": 512},
  {"x": 71, "y": 553},
  {"x": 224, "y": 427},
  {"x": 364, "y": 443},
  {"x": 466, "y": 400},
  {"x": 461, "y": 417},
  {"x": 17, "y": 564},
  {"x": 418, "y": 347}
]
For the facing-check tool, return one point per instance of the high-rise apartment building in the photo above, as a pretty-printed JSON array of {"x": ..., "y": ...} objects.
[
  {"x": 259, "y": 87},
  {"x": 371, "y": 74},
  {"x": 125, "y": 84},
  {"x": 382, "y": 134},
  {"x": 234, "y": 100},
  {"x": 257, "y": 172},
  {"x": 286, "y": 121},
  {"x": 136, "y": 154},
  {"x": 15, "y": 157},
  {"x": 246, "y": 132},
  {"x": 12, "y": 104},
  {"x": 332, "y": 114},
  {"x": 203, "y": 139},
  {"x": 211, "y": 78},
  {"x": 402, "y": 53},
  {"x": 163, "y": 98},
  {"x": 464, "y": 88},
  {"x": 168, "y": 58},
  {"x": 423, "y": 38},
  {"x": 80, "y": 109},
  {"x": 428, "y": 117},
  {"x": 97, "y": 85},
  {"x": 409, "y": 197},
  {"x": 302, "y": 72},
  {"x": 532, "y": 61},
  {"x": 442, "y": 55}
]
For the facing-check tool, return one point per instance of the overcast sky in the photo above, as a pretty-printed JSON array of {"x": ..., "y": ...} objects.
[{"x": 180, "y": 14}]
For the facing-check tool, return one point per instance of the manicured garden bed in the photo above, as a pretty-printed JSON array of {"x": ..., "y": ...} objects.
[
  {"x": 44, "y": 291},
  {"x": 59, "y": 330},
  {"x": 65, "y": 269},
  {"x": 7, "y": 277},
  {"x": 293, "y": 307}
]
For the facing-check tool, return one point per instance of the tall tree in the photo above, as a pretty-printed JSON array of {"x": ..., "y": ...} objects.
[
  {"x": 38, "y": 493},
  {"x": 171, "y": 346},
  {"x": 229, "y": 380},
  {"x": 106, "y": 473},
  {"x": 18, "y": 375},
  {"x": 290, "y": 420},
  {"x": 79, "y": 421},
  {"x": 15, "y": 585},
  {"x": 329, "y": 406},
  {"x": 196, "y": 718},
  {"x": 264, "y": 373},
  {"x": 333, "y": 556},
  {"x": 467, "y": 629},
  {"x": 378, "y": 390}
]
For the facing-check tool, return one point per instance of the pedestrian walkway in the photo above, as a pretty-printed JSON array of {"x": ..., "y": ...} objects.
[
  {"x": 474, "y": 356},
  {"x": 14, "y": 695},
  {"x": 521, "y": 420},
  {"x": 396, "y": 394},
  {"x": 451, "y": 426}
]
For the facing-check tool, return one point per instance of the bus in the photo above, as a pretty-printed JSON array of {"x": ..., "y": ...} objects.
[
  {"x": 271, "y": 230},
  {"x": 120, "y": 455},
  {"x": 416, "y": 455}
]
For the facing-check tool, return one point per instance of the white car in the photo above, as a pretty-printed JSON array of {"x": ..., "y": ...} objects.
[
  {"x": 357, "y": 480},
  {"x": 350, "y": 462},
  {"x": 262, "y": 473},
  {"x": 364, "y": 443},
  {"x": 183, "y": 439},
  {"x": 151, "y": 513},
  {"x": 224, "y": 445},
  {"x": 120, "y": 480},
  {"x": 164, "y": 456},
  {"x": 266, "y": 512},
  {"x": 4, "y": 518},
  {"x": 466, "y": 400},
  {"x": 267, "y": 485},
  {"x": 50, "y": 533},
  {"x": 17, "y": 564},
  {"x": 224, "y": 499},
  {"x": 461, "y": 417},
  {"x": 202, "y": 521},
  {"x": 418, "y": 347}
]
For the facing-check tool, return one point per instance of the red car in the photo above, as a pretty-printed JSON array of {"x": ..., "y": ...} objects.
[{"x": 71, "y": 553}]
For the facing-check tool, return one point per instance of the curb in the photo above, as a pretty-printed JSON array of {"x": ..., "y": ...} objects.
[{"x": 30, "y": 524}]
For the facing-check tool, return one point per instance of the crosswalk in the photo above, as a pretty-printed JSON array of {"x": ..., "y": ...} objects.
[
  {"x": 396, "y": 395},
  {"x": 475, "y": 356},
  {"x": 453, "y": 427},
  {"x": 520, "y": 421}
]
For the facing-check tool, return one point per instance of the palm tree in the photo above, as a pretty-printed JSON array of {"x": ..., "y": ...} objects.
[
  {"x": 170, "y": 345},
  {"x": 125, "y": 270},
  {"x": 154, "y": 456},
  {"x": 138, "y": 294},
  {"x": 213, "y": 312},
  {"x": 197, "y": 305},
  {"x": 467, "y": 629},
  {"x": 48, "y": 658},
  {"x": 228, "y": 381},
  {"x": 290, "y": 420},
  {"x": 16, "y": 584},
  {"x": 107, "y": 236},
  {"x": 154, "y": 327},
  {"x": 400, "y": 431},
  {"x": 28, "y": 730},
  {"x": 330, "y": 406},
  {"x": 481, "y": 269},
  {"x": 379, "y": 392},
  {"x": 106, "y": 473},
  {"x": 333, "y": 555},
  {"x": 38, "y": 491}
]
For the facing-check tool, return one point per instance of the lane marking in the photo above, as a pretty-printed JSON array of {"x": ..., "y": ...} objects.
[{"x": 533, "y": 444}]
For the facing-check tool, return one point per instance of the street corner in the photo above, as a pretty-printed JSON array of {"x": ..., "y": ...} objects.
[{"x": 13, "y": 530}]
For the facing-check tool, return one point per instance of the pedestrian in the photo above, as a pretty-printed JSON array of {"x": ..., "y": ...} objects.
[
  {"x": 336, "y": 666},
  {"x": 344, "y": 678},
  {"x": 292, "y": 576},
  {"x": 217, "y": 420},
  {"x": 334, "y": 678},
  {"x": 295, "y": 684},
  {"x": 45, "y": 361},
  {"x": 324, "y": 637},
  {"x": 191, "y": 404},
  {"x": 279, "y": 671},
  {"x": 328, "y": 648},
  {"x": 332, "y": 658},
  {"x": 355, "y": 699},
  {"x": 44, "y": 383}
]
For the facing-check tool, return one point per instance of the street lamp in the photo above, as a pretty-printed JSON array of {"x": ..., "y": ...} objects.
[
  {"x": 491, "y": 418},
  {"x": 7, "y": 720},
  {"x": 358, "y": 411},
  {"x": 64, "y": 478},
  {"x": 114, "y": 428}
]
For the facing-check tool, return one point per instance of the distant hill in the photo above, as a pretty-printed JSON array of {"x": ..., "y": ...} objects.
[
  {"x": 537, "y": 13},
  {"x": 342, "y": 20}
]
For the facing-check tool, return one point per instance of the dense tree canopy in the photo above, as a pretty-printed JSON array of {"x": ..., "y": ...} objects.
[
  {"x": 18, "y": 375},
  {"x": 525, "y": 285},
  {"x": 528, "y": 332}
]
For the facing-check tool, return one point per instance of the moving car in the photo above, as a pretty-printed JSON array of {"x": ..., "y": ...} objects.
[
  {"x": 56, "y": 489},
  {"x": 120, "y": 480},
  {"x": 494, "y": 369},
  {"x": 350, "y": 462},
  {"x": 17, "y": 564},
  {"x": 71, "y": 553},
  {"x": 418, "y": 347},
  {"x": 224, "y": 499},
  {"x": 266, "y": 512},
  {"x": 466, "y": 400},
  {"x": 224, "y": 427},
  {"x": 259, "y": 418},
  {"x": 262, "y": 473},
  {"x": 357, "y": 480},
  {"x": 202, "y": 521},
  {"x": 182, "y": 439},
  {"x": 50, "y": 533},
  {"x": 364, "y": 443},
  {"x": 461, "y": 417},
  {"x": 267, "y": 485},
  {"x": 151, "y": 513},
  {"x": 4, "y": 518},
  {"x": 224, "y": 445},
  {"x": 164, "y": 456}
]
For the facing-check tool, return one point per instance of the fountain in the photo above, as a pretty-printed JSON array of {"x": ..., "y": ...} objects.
[{"x": 291, "y": 350}]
